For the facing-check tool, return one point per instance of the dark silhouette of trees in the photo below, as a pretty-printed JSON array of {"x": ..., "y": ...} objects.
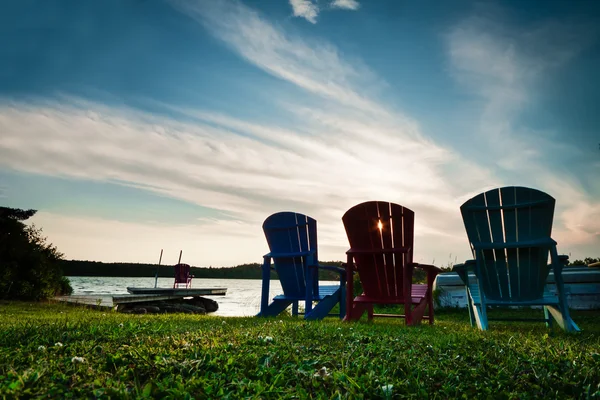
[
  {"x": 244, "y": 271},
  {"x": 586, "y": 261},
  {"x": 30, "y": 267}
]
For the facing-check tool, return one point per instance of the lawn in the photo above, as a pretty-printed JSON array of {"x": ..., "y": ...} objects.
[{"x": 61, "y": 351}]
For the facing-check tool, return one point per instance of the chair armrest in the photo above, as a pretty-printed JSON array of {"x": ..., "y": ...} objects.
[
  {"x": 564, "y": 259},
  {"x": 463, "y": 270},
  {"x": 270, "y": 266},
  {"x": 352, "y": 268},
  {"x": 431, "y": 270},
  {"x": 427, "y": 267},
  {"x": 467, "y": 265}
]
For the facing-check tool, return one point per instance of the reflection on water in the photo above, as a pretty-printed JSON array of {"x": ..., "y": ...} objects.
[{"x": 242, "y": 298}]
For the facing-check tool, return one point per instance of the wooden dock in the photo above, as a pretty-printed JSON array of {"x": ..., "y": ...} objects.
[
  {"x": 190, "y": 292},
  {"x": 96, "y": 301},
  {"x": 146, "y": 295}
]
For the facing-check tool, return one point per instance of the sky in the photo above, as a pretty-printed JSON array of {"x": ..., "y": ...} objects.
[{"x": 139, "y": 125}]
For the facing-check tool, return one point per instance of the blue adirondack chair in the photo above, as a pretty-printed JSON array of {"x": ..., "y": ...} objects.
[
  {"x": 292, "y": 239},
  {"x": 509, "y": 230}
]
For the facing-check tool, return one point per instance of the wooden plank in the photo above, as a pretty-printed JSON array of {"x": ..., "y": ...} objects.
[
  {"x": 530, "y": 226},
  {"x": 359, "y": 223},
  {"x": 403, "y": 236},
  {"x": 542, "y": 215},
  {"x": 478, "y": 229},
  {"x": 497, "y": 235},
  {"x": 141, "y": 298},
  {"x": 389, "y": 268},
  {"x": 375, "y": 240},
  {"x": 99, "y": 301},
  {"x": 178, "y": 292},
  {"x": 509, "y": 217},
  {"x": 311, "y": 245}
]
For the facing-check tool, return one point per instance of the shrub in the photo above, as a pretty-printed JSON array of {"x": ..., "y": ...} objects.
[{"x": 30, "y": 267}]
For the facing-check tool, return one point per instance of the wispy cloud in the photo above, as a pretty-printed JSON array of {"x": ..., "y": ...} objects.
[
  {"x": 345, "y": 4},
  {"x": 503, "y": 65},
  {"x": 315, "y": 66},
  {"x": 305, "y": 9},
  {"x": 239, "y": 167},
  {"x": 344, "y": 147}
]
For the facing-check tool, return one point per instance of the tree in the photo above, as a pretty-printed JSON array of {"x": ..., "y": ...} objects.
[
  {"x": 585, "y": 262},
  {"x": 30, "y": 267}
]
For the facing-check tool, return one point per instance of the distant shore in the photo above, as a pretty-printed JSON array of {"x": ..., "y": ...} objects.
[{"x": 244, "y": 271}]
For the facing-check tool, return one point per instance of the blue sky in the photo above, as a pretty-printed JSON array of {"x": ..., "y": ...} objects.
[{"x": 142, "y": 124}]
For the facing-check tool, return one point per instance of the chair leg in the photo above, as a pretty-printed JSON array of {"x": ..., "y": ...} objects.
[
  {"x": 470, "y": 307},
  {"x": 431, "y": 312},
  {"x": 275, "y": 308},
  {"x": 561, "y": 314},
  {"x": 408, "y": 311},
  {"x": 547, "y": 317},
  {"x": 266, "y": 281},
  {"x": 480, "y": 316},
  {"x": 355, "y": 312},
  {"x": 418, "y": 312},
  {"x": 323, "y": 307},
  {"x": 295, "y": 308},
  {"x": 563, "y": 318},
  {"x": 342, "y": 301}
]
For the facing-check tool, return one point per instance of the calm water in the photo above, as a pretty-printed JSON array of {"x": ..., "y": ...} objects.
[{"x": 242, "y": 298}]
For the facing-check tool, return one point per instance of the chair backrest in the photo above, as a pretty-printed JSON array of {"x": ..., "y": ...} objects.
[
  {"x": 182, "y": 274},
  {"x": 377, "y": 225},
  {"x": 510, "y": 215},
  {"x": 290, "y": 232}
]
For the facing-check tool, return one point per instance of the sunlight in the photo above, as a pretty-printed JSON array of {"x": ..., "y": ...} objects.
[{"x": 380, "y": 225}]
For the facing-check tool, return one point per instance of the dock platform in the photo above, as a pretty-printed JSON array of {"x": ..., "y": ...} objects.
[
  {"x": 142, "y": 295},
  {"x": 190, "y": 292}
]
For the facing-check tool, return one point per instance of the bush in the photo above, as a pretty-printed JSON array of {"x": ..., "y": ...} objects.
[{"x": 30, "y": 268}]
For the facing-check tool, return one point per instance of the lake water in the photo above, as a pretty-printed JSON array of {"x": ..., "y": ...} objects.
[{"x": 242, "y": 298}]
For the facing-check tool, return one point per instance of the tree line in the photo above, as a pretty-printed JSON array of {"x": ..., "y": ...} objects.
[{"x": 243, "y": 271}]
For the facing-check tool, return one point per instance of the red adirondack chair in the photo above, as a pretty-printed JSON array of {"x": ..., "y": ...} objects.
[
  {"x": 183, "y": 276},
  {"x": 381, "y": 238}
]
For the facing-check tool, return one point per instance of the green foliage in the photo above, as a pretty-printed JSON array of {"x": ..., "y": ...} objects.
[
  {"x": 30, "y": 267},
  {"x": 585, "y": 262},
  {"x": 60, "y": 351}
]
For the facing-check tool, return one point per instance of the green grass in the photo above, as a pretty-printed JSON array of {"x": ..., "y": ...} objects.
[{"x": 187, "y": 356}]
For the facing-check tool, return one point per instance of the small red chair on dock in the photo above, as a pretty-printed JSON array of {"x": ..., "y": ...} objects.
[{"x": 183, "y": 276}]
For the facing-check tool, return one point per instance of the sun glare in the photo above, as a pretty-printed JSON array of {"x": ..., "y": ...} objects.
[{"x": 380, "y": 225}]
